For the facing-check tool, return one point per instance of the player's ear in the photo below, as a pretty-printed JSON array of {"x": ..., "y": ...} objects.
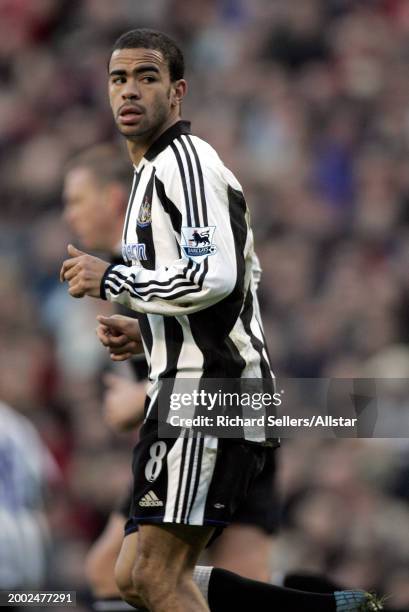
[{"x": 179, "y": 90}]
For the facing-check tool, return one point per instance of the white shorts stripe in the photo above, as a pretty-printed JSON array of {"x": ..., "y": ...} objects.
[
  {"x": 209, "y": 457},
  {"x": 173, "y": 461}
]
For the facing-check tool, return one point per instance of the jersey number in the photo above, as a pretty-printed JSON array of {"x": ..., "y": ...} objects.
[{"x": 154, "y": 466}]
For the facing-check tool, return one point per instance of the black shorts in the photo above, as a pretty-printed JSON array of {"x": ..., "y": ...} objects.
[
  {"x": 200, "y": 480},
  {"x": 262, "y": 507}
]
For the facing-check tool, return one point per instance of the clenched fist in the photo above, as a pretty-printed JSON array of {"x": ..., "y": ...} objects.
[
  {"x": 120, "y": 335},
  {"x": 83, "y": 273}
]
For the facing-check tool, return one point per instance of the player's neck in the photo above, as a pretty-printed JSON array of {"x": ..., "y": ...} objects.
[{"x": 138, "y": 149}]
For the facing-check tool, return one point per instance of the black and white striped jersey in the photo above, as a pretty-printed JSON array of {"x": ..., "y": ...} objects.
[{"x": 192, "y": 272}]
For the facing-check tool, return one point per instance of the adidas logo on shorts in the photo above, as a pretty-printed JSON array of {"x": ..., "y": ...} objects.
[{"x": 149, "y": 500}]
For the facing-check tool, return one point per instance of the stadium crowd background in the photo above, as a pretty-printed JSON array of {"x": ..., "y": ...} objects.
[{"x": 308, "y": 102}]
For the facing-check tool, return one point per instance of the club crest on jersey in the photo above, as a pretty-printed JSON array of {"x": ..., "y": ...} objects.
[
  {"x": 198, "y": 241},
  {"x": 134, "y": 251},
  {"x": 145, "y": 213}
]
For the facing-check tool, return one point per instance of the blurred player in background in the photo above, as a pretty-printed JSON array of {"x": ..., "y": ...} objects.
[
  {"x": 96, "y": 187},
  {"x": 199, "y": 308}
]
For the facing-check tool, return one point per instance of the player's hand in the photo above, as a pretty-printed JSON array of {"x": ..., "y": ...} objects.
[
  {"x": 123, "y": 402},
  {"x": 83, "y": 273},
  {"x": 120, "y": 335}
]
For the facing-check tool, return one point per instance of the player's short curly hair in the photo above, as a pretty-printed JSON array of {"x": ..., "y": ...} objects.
[{"x": 144, "y": 38}]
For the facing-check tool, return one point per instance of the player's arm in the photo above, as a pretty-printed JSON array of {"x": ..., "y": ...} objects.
[
  {"x": 190, "y": 283},
  {"x": 83, "y": 273}
]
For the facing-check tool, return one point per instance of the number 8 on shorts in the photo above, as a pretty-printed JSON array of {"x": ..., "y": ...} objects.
[{"x": 154, "y": 466}]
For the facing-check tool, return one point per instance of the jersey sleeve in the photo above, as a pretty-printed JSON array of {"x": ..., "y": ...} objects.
[{"x": 208, "y": 267}]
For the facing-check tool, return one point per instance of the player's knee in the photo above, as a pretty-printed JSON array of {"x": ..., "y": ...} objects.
[
  {"x": 151, "y": 584},
  {"x": 131, "y": 590},
  {"x": 154, "y": 588},
  {"x": 144, "y": 579},
  {"x": 186, "y": 583}
]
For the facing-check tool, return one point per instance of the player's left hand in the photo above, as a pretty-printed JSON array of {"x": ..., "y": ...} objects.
[{"x": 83, "y": 273}]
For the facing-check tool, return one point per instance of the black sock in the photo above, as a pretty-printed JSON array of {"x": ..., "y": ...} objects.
[
  {"x": 311, "y": 582},
  {"x": 228, "y": 591}
]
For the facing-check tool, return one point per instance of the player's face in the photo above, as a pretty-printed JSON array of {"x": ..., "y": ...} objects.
[
  {"x": 141, "y": 94},
  {"x": 86, "y": 210}
]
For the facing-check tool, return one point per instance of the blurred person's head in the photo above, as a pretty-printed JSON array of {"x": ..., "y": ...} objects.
[
  {"x": 24, "y": 361},
  {"x": 146, "y": 84},
  {"x": 37, "y": 170},
  {"x": 96, "y": 188}
]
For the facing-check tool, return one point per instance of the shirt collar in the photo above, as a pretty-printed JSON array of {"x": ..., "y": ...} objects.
[{"x": 164, "y": 140}]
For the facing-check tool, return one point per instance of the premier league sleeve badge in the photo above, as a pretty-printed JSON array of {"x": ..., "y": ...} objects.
[{"x": 197, "y": 242}]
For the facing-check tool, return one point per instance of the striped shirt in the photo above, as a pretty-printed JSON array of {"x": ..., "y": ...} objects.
[{"x": 190, "y": 269}]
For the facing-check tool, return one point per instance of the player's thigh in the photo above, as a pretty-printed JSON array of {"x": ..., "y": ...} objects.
[
  {"x": 159, "y": 552},
  {"x": 170, "y": 550},
  {"x": 243, "y": 549}
]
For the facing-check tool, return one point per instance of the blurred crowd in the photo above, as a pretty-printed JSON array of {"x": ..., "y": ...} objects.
[{"x": 308, "y": 103}]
